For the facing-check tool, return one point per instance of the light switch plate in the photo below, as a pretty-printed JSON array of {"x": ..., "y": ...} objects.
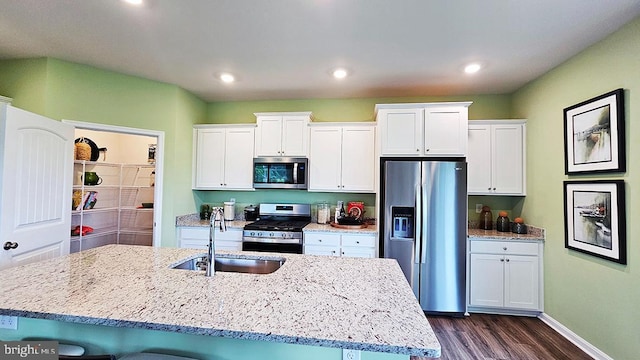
[
  {"x": 8, "y": 322},
  {"x": 478, "y": 208},
  {"x": 350, "y": 354}
]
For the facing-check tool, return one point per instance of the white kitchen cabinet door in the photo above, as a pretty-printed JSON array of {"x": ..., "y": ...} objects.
[
  {"x": 521, "y": 282},
  {"x": 209, "y": 158},
  {"x": 445, "y": 131},
  {"x": 238, "y": 163},
  {"x": 508, "y": 160},
  {"x": 322, "y": 250},
  {"x": 487, "y": 280},
  {"x": 36, "y": 176},
  {"x": 268, "y": 140},
  {"x": 401, "y": 131},
  {"x": 325, "y": 153},
  {"x": 295, "y": 135},
  {"x": 479, "y": 159},
  {"x": 358, "y": 159}
]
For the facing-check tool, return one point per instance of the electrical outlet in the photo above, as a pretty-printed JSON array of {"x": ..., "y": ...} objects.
[
  {"x": 478, "y": 208},
  {"x": 8, "y": 322},
  {"x": 350, "y": 354}
]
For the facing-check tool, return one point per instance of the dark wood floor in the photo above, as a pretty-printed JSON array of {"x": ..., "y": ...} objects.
[{"x": 481, "y": 336}]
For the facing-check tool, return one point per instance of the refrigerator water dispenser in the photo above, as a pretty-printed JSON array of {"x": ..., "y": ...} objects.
[{"x": 403, "y": 222}]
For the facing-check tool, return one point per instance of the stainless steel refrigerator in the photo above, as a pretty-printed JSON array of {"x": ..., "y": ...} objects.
[{"x": 424, "y": 227}]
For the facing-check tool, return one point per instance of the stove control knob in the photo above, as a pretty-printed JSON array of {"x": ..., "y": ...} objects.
[
  {"x": 271, "y": 235},
  {"x": 252, "y": 233}
]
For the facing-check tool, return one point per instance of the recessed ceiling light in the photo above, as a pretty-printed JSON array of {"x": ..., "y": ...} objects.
[
  {"x": 472, "y": 68},
  {"x": 227, "y": 78},
  {"x": 340, "y": 73},
  {"x": 134, "y": 2}
]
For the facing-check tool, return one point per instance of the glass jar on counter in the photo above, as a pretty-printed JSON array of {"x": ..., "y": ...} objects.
[{"x": 322, "y": 212}]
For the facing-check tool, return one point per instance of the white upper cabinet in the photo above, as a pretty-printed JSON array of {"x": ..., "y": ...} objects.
[
  {"x": 282, "y": 134},
  {"x": 223, "y": 157},
  {"x": 342, "y": 158},
  {"x": 428, "y": 129},
  {"x": 497, "y": 157},
  {"x": 401, "y": 131}
]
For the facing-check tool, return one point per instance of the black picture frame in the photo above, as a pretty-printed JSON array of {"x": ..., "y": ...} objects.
[
  {"x": 594, "y": 135},
  {"x": 594, "y": 218}
]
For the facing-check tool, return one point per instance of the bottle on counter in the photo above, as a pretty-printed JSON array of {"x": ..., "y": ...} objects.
[
  {"x": 485, "y": 221},
  {"x": 503, "y": 223}
]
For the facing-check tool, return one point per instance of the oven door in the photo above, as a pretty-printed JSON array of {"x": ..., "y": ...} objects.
[{"x": 288, "y": 248}]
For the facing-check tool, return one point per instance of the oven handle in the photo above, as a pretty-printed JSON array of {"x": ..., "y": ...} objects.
[{"x": 271, "y": 241}]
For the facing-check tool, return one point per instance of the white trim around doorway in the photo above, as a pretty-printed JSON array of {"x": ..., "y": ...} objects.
[{"x": 157, "y": 196}]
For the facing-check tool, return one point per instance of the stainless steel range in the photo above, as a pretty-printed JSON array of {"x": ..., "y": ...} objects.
[{"x": 279, "y": 228}]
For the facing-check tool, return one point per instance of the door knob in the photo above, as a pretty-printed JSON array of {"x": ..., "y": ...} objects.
[{"x": 10, "y": 245}]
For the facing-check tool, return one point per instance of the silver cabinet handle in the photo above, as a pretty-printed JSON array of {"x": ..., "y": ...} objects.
[
  {"x": 501, "y": 260},
  {"x": 507, "y": 260}
]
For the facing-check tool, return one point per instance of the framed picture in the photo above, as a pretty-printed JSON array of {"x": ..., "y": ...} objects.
[
  {"x": 594, "y": 218},
  {"x": 594, "y": 135}
]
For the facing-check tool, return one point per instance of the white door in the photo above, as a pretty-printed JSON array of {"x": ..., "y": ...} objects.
[
  {"x": 508, "y": 158},
  {"x": 295, "y": 134},
  {"x": 521, "y": 282},
  {"x": 209, "y": 159},
  {"x": 445, "y": 131},
  {"x": 401, "y": 131},
  {"x": 36, "y": 180},
  {"x": 269, "y": 136},
  {"x": 238, "y": 163},
  {"x": 479, "y": 159},
  {"x": 487, "y": 280},
  {"x": 324, "y": 159},
  {"x": 358, "y": 159}
]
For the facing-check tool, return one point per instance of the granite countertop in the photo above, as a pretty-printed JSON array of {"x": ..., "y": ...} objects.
[
  {"x": 363, "y": 304},
  {"x": 533, "y": 233},
  {"x": 193, "y": 220},
  {"x": 314, "y": 227}
]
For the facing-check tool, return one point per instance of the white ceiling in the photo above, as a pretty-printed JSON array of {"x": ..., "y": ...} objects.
[{"x": 286, "y": 49}]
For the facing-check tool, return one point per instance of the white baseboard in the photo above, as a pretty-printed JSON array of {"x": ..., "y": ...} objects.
[{"x": 584, "y": 345}]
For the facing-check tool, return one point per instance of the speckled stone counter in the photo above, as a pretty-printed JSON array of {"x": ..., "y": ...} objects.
[
  {"x": 533, "y": 233},
  {"x": 193, "y": 220},
  {"x": 314, "y": 227},
  {"x": 342, "y": 302}
]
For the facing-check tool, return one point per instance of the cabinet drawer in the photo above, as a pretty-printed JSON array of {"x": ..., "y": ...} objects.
[
  {"x": 194, "y": 233},
  {"x": 504, "y": 247},
  {"x": 359, "y": 240},
  {"x": 322, "y": 239}
]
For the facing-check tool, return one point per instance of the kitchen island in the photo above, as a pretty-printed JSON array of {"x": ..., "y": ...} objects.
[{"x": 333, "y": 302}]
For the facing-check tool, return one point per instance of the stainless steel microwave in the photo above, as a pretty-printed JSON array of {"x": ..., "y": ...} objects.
[{"x": 280, "y": 173}]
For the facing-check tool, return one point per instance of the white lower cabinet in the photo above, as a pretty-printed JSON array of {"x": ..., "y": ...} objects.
[
  {"x": 340, "y": 244},
  {"x": 198, "y": 238},
  {"x": 505, "y": 276}
]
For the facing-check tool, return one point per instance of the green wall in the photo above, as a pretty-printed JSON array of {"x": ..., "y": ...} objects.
[
  {"x": 595, "y": 298},
  {"x": 483, "y": 107},
  {"x": 65, "y": 90}
]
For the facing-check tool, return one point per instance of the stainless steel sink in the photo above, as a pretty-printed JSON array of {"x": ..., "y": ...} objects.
[{"x": 228, "y": 264}]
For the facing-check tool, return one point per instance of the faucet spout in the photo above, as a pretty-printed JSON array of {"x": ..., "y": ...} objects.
[{"x": 211, "y": 252}]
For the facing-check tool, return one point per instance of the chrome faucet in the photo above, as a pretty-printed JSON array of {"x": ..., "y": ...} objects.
[{"x": 211, "y": 254}]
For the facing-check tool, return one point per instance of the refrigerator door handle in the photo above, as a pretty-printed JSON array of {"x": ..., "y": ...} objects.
[
  {"x": 418, "y": 224},
  {"x": 424, "y": 217}
]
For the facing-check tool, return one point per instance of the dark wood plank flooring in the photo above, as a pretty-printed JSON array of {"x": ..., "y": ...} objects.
[{"x": 482, "y": 336}]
